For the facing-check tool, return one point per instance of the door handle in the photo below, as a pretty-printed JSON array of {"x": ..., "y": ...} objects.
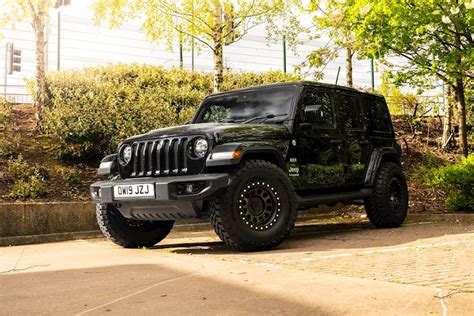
[{"x": 335, "y": 141}]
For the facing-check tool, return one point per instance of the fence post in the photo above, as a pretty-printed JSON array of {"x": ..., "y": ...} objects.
[
  {"x": 58, "y": 43},
  {"x": 284, "y": 53},
  {"x": 6, "y": 71},
  {"x": 181, "y": 51},
  {"x": 372, "y": 76},
  {"x": 192, "y": 37}
]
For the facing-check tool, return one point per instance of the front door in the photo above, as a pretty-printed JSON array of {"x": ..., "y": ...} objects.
[{"x": 320, "y": 152}]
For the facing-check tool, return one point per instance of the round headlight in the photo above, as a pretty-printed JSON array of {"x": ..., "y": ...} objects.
[
  {"x": 127, "y": 154},
  {"x": 200, "y": 147}
]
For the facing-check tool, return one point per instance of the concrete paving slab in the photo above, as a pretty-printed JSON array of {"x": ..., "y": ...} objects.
[{"x": 197, "y": 274}]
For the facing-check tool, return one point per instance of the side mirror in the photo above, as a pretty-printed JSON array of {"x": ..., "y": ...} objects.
[{"x": 313, "y": 113}]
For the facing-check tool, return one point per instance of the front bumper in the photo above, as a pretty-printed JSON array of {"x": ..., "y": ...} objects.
[{"x": 166, "y": 188}]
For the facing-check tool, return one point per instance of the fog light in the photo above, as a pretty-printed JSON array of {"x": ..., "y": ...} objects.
[
  {"x": 184, "y": 188},
  {"x": 97, "y": 193},
  {"x": 189, "y": 188}
]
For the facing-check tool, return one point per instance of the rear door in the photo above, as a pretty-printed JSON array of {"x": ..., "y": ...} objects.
[{"x": 351, "y": 118}]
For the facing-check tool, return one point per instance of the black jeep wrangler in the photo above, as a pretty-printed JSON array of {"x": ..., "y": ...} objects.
[{"x": 249, "y": 159}]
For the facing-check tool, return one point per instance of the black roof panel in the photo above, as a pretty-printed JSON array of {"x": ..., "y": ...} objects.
[{"x": 300, "y": 83}]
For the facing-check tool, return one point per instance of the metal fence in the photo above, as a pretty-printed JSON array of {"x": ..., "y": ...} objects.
[{"x": 74, "y": 42}]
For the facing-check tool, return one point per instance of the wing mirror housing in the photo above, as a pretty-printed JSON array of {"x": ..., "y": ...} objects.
[{"x": 313, "y": 113}]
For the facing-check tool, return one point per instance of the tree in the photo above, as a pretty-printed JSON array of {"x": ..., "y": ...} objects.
[
  {"x": 37, "y": 12},
  {"x": 330, "y": 16},
  {"x": 434, "y": 36},
  {"x": 212, "y": 23}
]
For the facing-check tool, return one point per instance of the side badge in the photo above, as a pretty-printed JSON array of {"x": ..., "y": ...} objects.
[{"x": 293, "y": 169}]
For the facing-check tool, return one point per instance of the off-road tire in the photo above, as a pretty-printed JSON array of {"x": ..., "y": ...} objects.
[
  {"x": 382, "y": 210},
  {"x": 226, "y": 213},
  {"x": 130, "y": 233}
]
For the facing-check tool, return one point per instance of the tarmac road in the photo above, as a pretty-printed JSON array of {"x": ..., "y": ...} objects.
[{"x": 323, "y": 269}]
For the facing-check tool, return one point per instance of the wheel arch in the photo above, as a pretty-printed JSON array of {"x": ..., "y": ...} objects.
[
  {"x": 267, "y": 154},
  {"x": 247, "y": 151},
  {"x": 379, "y": 156}
]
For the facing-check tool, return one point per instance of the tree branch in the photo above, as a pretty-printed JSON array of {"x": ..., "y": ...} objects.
[
  {"x": 176, "y": 15},
  {"x": 195, "y": 37}
]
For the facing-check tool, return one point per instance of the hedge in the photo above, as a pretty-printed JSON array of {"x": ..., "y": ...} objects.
[
  {"x": 457, "y": 181},
  {"x": 89, "y": 111}
]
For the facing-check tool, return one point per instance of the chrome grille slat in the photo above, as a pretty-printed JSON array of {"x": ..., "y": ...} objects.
[
  {"x": 135, "y": 150},
  {"x": 167, "y": 156},
  {"x": 142, "y": 153},
  {"x": 184, "y": 145},
  {"x": 151, "y": 152},
  {"x": 175, "y": 148},
  {"x": 161, "y": 157},
  {"x": 158, "y": 157}
]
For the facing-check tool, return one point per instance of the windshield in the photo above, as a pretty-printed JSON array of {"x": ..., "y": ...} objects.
[{"x": 256, "y": 106}]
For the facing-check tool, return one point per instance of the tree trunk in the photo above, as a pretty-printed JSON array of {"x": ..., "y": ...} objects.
[
  {"x": 218, "y": 46},
  {"x": 40, "y": 74},
  {"x": 448, "y": 117},
  {"x": 349, "y": 67},
  {"x": 461, "y": 106}
]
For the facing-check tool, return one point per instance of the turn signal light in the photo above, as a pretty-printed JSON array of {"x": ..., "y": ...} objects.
[{"x": 236, "y": 154}]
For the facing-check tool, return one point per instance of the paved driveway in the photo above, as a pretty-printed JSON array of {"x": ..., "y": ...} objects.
[{"x": 326, "y": 268}]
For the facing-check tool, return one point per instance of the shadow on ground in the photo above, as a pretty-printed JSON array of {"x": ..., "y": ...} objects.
[
  {"x": 327, "y": 237},
  {"x": 143, "y": 289}
]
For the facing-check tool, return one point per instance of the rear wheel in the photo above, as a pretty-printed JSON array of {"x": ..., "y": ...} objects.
[
  {"x": 387, "y": 208},
  {"x": 257, "y": 210},
  {"x": 130, "y": 233}
]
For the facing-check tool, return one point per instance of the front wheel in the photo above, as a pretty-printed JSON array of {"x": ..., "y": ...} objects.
[
  {"x": 257, "y": 210},
  {"x": 388, "y": 206},
  {"x": 130, "y": 233}
]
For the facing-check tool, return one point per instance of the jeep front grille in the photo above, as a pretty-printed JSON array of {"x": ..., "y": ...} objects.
[{"x": 163, "y": 157}]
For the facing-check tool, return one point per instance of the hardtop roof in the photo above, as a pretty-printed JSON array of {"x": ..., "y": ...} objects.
[{"x": 299, "y": 83}]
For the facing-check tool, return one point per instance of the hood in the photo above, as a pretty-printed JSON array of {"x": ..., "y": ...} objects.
[{"x": 226, "y": 132}]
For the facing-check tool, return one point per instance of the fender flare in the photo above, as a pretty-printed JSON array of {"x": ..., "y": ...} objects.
[
  {"x": 225, "y": 158},
  {"x": 376, "y": 159}
]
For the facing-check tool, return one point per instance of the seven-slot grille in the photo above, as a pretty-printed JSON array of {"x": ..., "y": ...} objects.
[{"x": 160, "y": 157}]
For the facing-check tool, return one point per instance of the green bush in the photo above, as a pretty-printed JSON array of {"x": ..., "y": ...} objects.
[
  {"x": 20, "y": 169},
  {"x": 90, "y": 111},
  {"x": 7, "y": 149},
  {"x": 28, "y": 181},
  {"x": 5, "y": 110},
  {"x": 71, "y": 179},
  {"x": 457, "y": 181},
  {"x": 34, "y": 188}
]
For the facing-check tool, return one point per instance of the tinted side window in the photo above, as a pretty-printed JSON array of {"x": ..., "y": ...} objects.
[
  {"x": 349, "y": 111},
  {"x": 379, "y": 116},
  {"x": 313, "y": 97}
]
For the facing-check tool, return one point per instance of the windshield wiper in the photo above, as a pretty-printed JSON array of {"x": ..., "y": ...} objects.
[{"x": 263, "y": 117}]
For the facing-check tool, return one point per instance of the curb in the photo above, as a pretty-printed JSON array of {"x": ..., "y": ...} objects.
[
  {"x": 463, "y": 218},
  {"x": 31, "y": 223},
  {"x": 46, "y": 238}
]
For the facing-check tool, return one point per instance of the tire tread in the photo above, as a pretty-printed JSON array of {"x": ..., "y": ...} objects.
[
  {"x": 376, "y": 206},
  {"x": 223, "y": 202}
]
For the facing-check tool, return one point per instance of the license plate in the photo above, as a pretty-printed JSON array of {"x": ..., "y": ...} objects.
[{"x": 127, "y": 191}]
